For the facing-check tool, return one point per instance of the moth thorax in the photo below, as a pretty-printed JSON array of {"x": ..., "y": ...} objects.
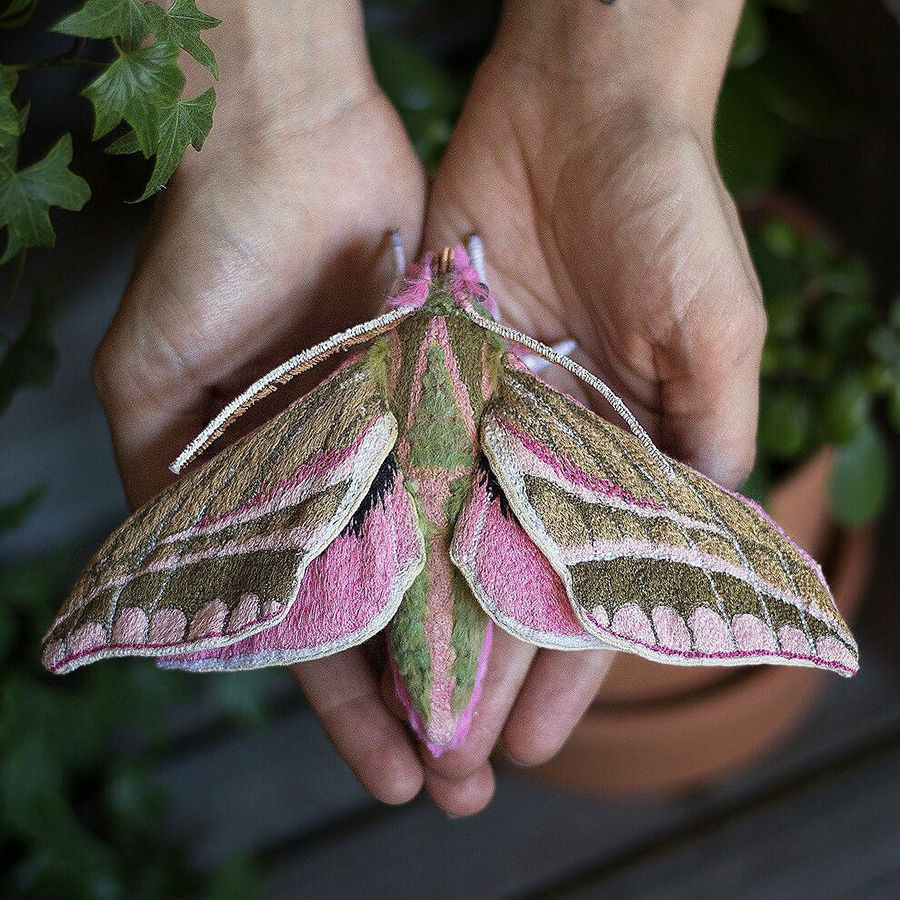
[{"x": 444, "y": 261}]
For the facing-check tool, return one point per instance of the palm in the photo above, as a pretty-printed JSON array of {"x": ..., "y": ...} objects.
[
  {"x": 618, "y": 233},
  {"x": 611, "y": 228},
  {"x": 256, "y": 267}
]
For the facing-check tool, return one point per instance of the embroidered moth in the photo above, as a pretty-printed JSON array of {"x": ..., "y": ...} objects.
[{"x": 431, "y": 488}]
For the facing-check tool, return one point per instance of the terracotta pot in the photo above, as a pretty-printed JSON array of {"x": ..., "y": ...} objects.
[{"x": 664, "y": 728}]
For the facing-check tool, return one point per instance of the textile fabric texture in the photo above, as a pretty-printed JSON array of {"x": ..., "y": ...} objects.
[{"x": 430, "y": 489}]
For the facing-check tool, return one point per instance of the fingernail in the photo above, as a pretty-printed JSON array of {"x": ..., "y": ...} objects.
[{"x": 516, "y": 762}]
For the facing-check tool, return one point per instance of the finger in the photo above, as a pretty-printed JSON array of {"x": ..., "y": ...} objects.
[
  {"x": 389, "y": 695},
  {"x": 507, "y": 667},
  {"x": 344, "y": 694},
  {"x": 709, "y": 377},
  {"x": 559, "y": 688},
  {"x": 461, "y": 797}
]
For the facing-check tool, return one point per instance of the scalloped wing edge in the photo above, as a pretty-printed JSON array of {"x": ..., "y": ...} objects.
[
  {"x": 838, "y": 660},
  {"x": 274, "y": 612}
]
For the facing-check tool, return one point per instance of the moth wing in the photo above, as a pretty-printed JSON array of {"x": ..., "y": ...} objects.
[
  {"x": 347, "y": 594},
  {"x": 510, "y": 577},
  {"x": 221, "y": 553},
  {"x": 676, "y": 569}
]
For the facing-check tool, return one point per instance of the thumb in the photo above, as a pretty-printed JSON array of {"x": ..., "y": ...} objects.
[{"x": 709, "y": 379}]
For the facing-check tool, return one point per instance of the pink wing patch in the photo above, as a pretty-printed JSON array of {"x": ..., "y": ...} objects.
[
  {"x": 347, "y": 594},
  {"x": 511, "y": 578}
]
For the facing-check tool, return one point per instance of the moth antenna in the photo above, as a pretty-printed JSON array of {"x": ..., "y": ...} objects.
[
  {"x": 615, "y": 401},
  {"x": 399, "y": 255},
  {"x": 537, "y": 363},
  {"x": 475, "y": 249},
  {"x": 264, "y": 386}
]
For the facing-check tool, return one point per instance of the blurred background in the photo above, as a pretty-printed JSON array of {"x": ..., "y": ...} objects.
[{"x": 122, "y": 781}]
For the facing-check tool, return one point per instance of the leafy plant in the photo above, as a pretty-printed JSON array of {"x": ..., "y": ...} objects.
[
  {"x": 831, "y": 363},
  {"x": 80, "y": 812},
  {"x": 138, "y": 91},
  {"x": 81, "y": 815}
]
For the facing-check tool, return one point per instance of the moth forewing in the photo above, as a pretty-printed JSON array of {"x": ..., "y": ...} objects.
[
  {"x": 674, "y": 569},
  {"x": 220, "y": 554}
]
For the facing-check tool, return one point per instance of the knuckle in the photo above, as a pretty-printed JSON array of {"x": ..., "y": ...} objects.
[{"x": 106, "y": 370}]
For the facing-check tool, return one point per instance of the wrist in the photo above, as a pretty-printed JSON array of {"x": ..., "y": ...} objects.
[
  {"x": 668, "y": 58},
  {"x": 294, "y": 50}
]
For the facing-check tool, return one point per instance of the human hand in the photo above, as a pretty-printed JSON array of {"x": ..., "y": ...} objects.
[
  {"x": 584, "y": 158},
  {"x": 263, "y": 244}
]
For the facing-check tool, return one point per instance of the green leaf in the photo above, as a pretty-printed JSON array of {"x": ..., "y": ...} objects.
[
  {"x": 842, "y": 321},
  {"x": 784, "y": 424},
  {"x": 426, "y": 95},
  {"x": 129, "y": 20},
  {"x": 13, "y": 514},
  {"x": 752, "y": 145},
  {"x": 125, "y": 143},
  {"x": 136, "y": 87},
  {"x": 181, "y": 123},
  {"x": 790, "y": 84},
  {"x": 779, "y": 276},
  {"x": 849, "y": 275},
  {"x": 751, "y": 37},
  {"x": 17, "y": 13},
  {"x": 31, "y": 359},
  {"x": 861, "y": 478},
  {"x": 884, "y": 345},
  {"x": 780, "y": 238},
  {"x": 11, "y": 124},
  {"x": 181, "y": 23},
  {"x": 845, "y": 409},
  {"x": 26, "y": 196}
]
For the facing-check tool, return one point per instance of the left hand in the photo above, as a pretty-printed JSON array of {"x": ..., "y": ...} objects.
[{"x": 592, "y": 180}]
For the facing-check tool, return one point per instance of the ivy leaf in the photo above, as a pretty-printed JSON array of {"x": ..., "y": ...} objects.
[
  {"x": 125, "y": 143},
  {"x": 30, "y": 359},
  {"x": 26, "y": 196},
  {"x": 136, "y": 87},
  {"x": 181, "y": 123},
  {"x": 10, "y": 120},
  {"x": 181, "y": 23},
  {"x": 129, "y": 20}
]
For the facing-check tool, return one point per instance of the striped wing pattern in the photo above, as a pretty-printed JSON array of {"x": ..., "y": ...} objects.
[
  {"x": 675, "y": 569},
  {"x": 220, "y": 554},
  {"x": 347, "y": 594}
]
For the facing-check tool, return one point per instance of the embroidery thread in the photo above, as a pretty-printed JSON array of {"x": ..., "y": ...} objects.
[{"x": 432, "y": 488}]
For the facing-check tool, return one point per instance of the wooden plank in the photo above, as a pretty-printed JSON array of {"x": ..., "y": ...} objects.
[
  {"x": 835, "y": 832},
  {"x": 257, "y": 787},
  {"x": 531, "y": 836}
]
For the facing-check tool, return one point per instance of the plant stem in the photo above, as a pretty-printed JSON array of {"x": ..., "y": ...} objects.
[
  {"x": 69, "y": 58},
  {"x": 18, "y": 272}
]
